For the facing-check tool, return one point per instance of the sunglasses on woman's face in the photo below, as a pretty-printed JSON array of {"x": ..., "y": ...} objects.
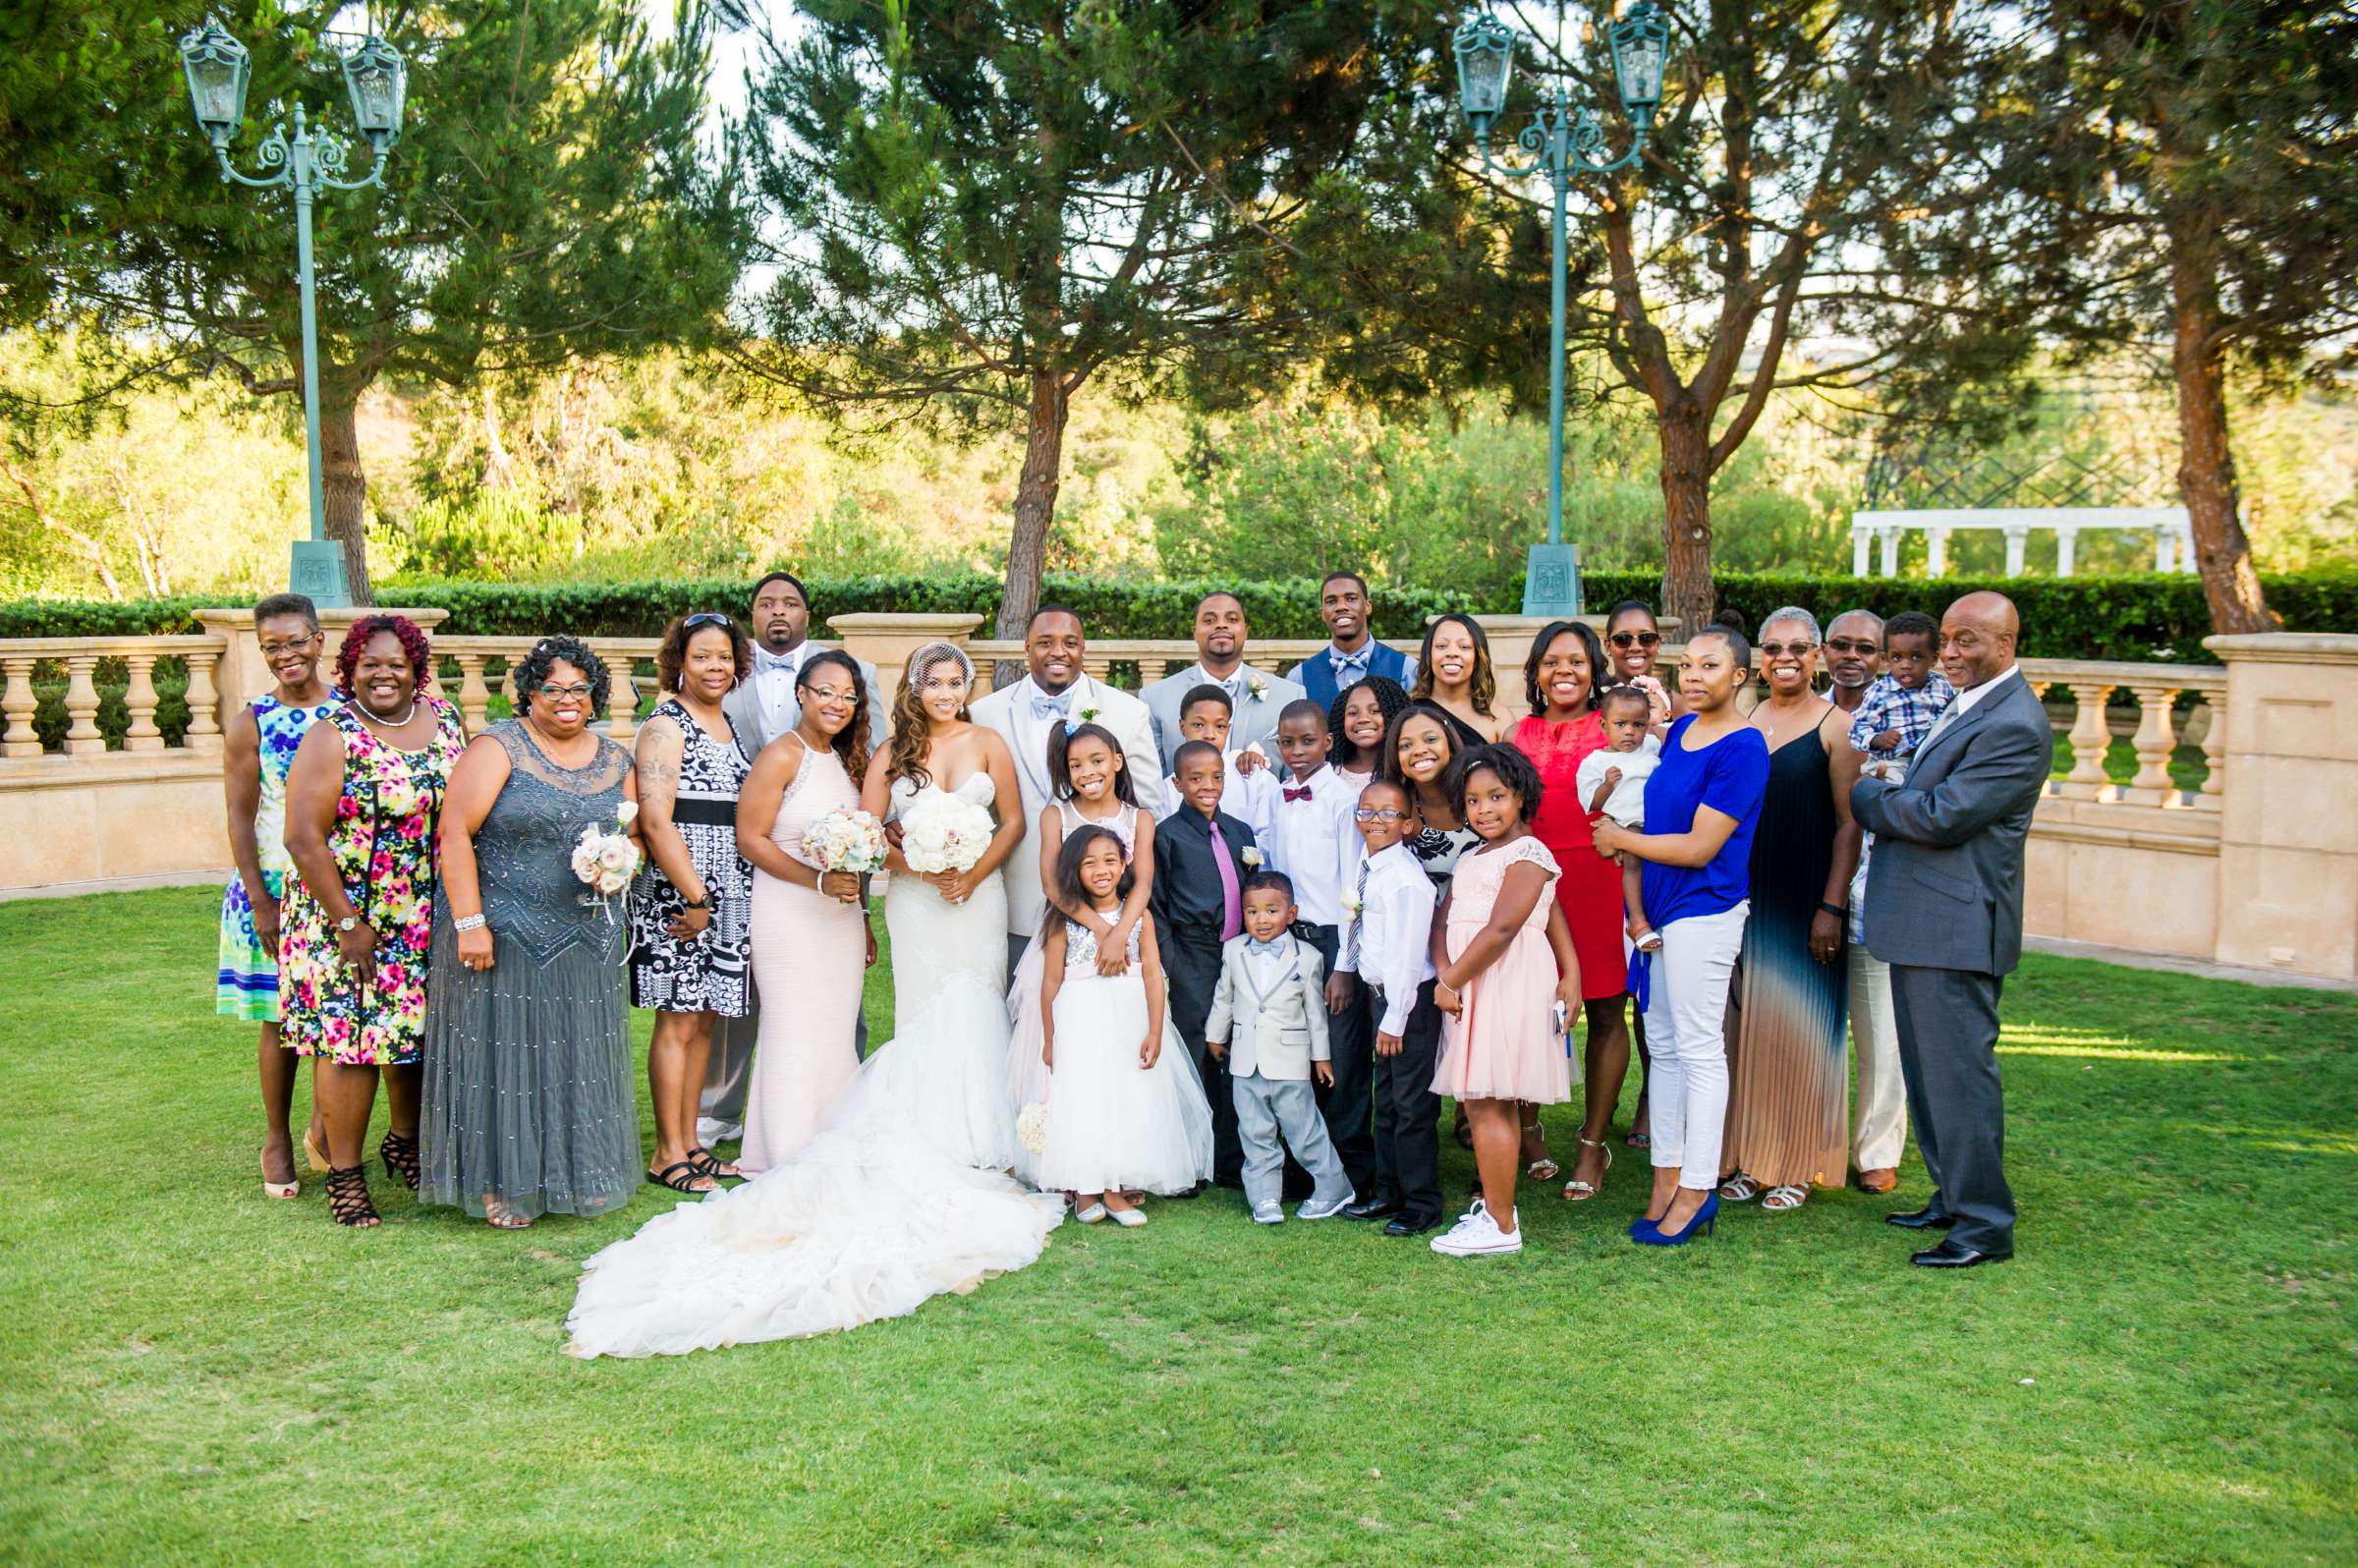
[
  {"x": 1634, "y": 639},
  {"x": 1777, "y": 650}
]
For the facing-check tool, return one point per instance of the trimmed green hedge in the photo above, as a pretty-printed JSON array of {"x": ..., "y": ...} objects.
[{"x": 2142, "y": 618}]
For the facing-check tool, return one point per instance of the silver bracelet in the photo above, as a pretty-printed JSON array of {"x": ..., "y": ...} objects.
[{"x": 468, "y": 923}]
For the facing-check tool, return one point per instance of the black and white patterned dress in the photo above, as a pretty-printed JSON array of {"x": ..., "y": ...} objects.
[{"x": 708, "y": 973}]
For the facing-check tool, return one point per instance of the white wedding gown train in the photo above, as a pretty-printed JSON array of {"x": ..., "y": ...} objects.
[{"x": 899, "y": 1196}]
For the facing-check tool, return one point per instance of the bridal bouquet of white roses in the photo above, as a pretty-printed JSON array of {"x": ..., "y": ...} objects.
[
  {"x": 1032, "y": 1126},
  {"x": 604, "y": 860},
  {"x": 846, "y": 841},
  {"x": 944, "y": 832}
]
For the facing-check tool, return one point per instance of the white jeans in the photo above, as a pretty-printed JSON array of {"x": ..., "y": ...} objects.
[
  {"x": 1686, "y": 1011},
  {"x": 1882, "y": 1129}
]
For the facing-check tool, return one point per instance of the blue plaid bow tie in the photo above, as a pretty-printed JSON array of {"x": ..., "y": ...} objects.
[
  {"x": 1343, "y": 663},
  {"x": 1260, "y": 949},
  {"x": 1044, "y": 706},
  {"x": 765, "y": 661}
]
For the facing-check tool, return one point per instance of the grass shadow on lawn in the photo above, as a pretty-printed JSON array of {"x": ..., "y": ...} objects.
[{"x": 194, "y": 1374}]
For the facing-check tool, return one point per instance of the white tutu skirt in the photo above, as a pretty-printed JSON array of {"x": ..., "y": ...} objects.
[
  {"x": 1112, "y": 1123},
  {"x": 897, "y": 1199}
]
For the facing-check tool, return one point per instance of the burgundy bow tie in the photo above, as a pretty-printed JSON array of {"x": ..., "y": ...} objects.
[{"x": 1302, "y": 794}]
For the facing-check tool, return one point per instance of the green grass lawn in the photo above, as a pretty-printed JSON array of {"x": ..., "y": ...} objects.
[{"x": 194, "y": 1374}]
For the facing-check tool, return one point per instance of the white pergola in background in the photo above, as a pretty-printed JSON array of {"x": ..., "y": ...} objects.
[{"x": 2167, "y": 526}]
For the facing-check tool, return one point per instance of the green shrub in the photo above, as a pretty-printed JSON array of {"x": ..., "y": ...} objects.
[{"x": 2138, "y": 618}]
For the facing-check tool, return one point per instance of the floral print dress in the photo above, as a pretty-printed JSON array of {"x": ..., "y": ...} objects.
[
  {"x": 383, "y": 843},
  {"x": 246, "y": 981}
]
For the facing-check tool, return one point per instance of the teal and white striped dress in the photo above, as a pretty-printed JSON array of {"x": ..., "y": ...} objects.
[{"x": 247, "y": 984}]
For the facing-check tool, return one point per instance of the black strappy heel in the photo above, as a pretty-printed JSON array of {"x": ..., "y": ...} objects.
[
  {"x": 348, "y": 1201},
  {"x": 400, "y": 1154},
  {"x": 707, "y": 1163}
]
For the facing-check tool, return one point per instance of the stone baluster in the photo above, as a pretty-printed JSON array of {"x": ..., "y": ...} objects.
[
  {"x": 2156, "y": 737},
  {"x": 83, "y": 736},
  {"x": 205, "y": 702},
  {"x": 2214, "y": 751},
  {"x": 474, "y": 697},
  {"x": 2090, "y": 738},
  {"x": 20, "y": 705},
  {"x": 622, "y": 702},
  {"x": 139, "y": 700},
  {"x": 1098, "y": 667}
]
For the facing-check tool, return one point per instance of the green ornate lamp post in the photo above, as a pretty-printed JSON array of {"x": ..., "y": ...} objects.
[
  {"x": 378, "y": 82},
  {"x": 1565, "y": 141}
]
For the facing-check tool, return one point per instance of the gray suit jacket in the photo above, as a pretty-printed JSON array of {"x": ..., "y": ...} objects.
[
  {"x": 744, "y": 710},
  {"x": 1254, "y": 721},
  {"x": 1277, "y": 1034},
  {"x": 1944, "y": 884}
]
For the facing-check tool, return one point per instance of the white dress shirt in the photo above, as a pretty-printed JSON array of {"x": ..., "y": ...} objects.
[
  {"x": 1317, "y": 843},
  {"x": 1250, "y": 798},
  {"x": 775, "y": 676},
  {"x": 1395, "y": 933},
  {"x": 1973, "y": 695},
  {"x": 1269, "y": 968}
]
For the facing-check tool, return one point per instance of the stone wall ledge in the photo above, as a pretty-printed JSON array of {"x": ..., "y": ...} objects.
[{"x": 55, "y": 772}]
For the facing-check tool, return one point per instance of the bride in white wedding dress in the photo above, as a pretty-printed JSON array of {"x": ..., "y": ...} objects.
[{"x": 900, "y": 1195}]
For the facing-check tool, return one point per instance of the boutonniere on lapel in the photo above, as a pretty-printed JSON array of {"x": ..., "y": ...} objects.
[
  {"x": 1088, "y": 715},
  {"x": 1250, "y": 856},
  {"x": 1354, "y": 905},
  {"x": 1256, "y": 688}
]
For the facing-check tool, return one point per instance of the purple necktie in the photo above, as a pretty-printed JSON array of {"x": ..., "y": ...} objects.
[{"x": 1232, "y": 904}]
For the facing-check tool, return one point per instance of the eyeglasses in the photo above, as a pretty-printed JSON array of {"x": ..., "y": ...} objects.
[
  {"x": 576, "y": 691},
  {"x": 1851, "y": 645},
  {"x": 293, "y": 645},
  {"x": 1634, "y": 639},
  {"x": 702, "y": 619},
  {"x": 1778, "y": 650},
  {"x": 1380, "y": 813},
  {"x": 838, "y": 694}
]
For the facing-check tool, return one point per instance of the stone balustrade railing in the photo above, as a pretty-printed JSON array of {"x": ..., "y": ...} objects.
[{"x": 80, "y": 657}]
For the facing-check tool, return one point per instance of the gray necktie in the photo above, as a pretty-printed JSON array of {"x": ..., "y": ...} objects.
[{"x": 1359, "y": 918}]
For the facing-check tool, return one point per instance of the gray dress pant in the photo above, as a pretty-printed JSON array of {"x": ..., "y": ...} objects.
[{"x": 1948, "y": 1054}]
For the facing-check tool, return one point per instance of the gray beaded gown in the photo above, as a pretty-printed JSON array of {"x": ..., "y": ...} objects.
[{"x": 530, "y": 1097}]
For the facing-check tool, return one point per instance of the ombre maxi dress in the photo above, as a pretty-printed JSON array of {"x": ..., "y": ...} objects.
[
  {"x": 1788, "y": 1101},
  {"x": 530, "y": 1096}
]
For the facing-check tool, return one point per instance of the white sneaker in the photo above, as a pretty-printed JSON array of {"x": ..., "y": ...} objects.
[
  {"x": 1477, "y": 1236},
  {"x": 1268, "y": 1212},
  {"x": 709, "y": 1131},
  {"x": 1312, "y": 1208}
]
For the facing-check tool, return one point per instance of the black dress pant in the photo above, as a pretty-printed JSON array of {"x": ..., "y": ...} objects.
[
  {"x": 1408, "y": 1114},
  {"x": 1346, "y": 1107},
  {"x": 1191, "y": 963}
]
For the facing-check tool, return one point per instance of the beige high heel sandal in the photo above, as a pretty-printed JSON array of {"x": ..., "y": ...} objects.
[{"x": 280, "y": 1189}]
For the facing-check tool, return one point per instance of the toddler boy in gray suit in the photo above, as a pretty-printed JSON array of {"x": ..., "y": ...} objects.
[{"x": 1269, "y": 1022}]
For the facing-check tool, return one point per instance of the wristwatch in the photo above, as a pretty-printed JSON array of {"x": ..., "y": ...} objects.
[
  {"x": 704, "y": 902},
  {"x": 350, "y": 922}
]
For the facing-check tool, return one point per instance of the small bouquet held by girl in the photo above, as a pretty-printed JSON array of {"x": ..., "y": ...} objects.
[
  {"x": 604, "y": 860},
  {"x": 846, "y": 841}
]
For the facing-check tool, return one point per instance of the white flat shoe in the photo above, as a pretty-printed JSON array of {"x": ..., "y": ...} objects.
[
  {"x": 1127, "y": 1218},
  {"x": 1091, "y": 1214}
]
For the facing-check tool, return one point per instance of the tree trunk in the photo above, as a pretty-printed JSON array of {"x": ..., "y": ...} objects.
[
  {"x": 2205, "y": 466},
  {"x": 1035, "y": 511},
  {"x": 345, "y": 486},
  {"x": 1686, "y": 445}
]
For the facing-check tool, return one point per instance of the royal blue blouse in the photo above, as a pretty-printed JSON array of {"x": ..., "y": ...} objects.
[{"x": 1729, "y": 775}]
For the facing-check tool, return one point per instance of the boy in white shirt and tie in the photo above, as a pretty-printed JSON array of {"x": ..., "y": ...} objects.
[
  {"x": 1314, "y": 839},
  {"x": 1269, "y": 1022},
  {"x": 1389, "y": 946}
]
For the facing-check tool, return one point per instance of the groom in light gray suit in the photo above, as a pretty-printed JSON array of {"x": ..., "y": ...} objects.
[
  {"x": 1058, "y": 691},
  {"x": 761, "y": 708},
  {"x": 1944, "y": 909},
  {"x": 1256, "y": 697}
]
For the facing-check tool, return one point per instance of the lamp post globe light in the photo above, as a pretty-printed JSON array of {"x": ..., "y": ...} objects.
[
  {"x": 376, "y": 81},
  {"x": 1565, "y": 141}
]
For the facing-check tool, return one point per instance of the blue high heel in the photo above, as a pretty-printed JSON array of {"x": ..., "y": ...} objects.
[{"x": 1701, "y": 1220}]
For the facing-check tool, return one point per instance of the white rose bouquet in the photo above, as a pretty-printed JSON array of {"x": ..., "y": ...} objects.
[
  {"x": 846, "y": 841},
  {"x": 1032, "y": 1126},
  {"x": 944, "y": 832},
  {"x": 604, "y": 860}
]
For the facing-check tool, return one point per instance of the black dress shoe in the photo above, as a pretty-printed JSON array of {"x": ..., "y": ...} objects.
[
  {"x": 1372, "y": 1208},
  {"x": 1953, "y": 1254},
  {"x": 1927, "y": 1218},
  {"x": 1409, "y": 1225}
]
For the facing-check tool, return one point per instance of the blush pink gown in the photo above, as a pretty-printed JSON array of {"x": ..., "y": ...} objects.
[
  {"x": 1502, "y": 1044},
  {"x": 811, "y": 952}
]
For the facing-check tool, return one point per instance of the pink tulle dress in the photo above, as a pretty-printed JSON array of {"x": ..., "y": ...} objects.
[{"x": 1503, "y": 1043}]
